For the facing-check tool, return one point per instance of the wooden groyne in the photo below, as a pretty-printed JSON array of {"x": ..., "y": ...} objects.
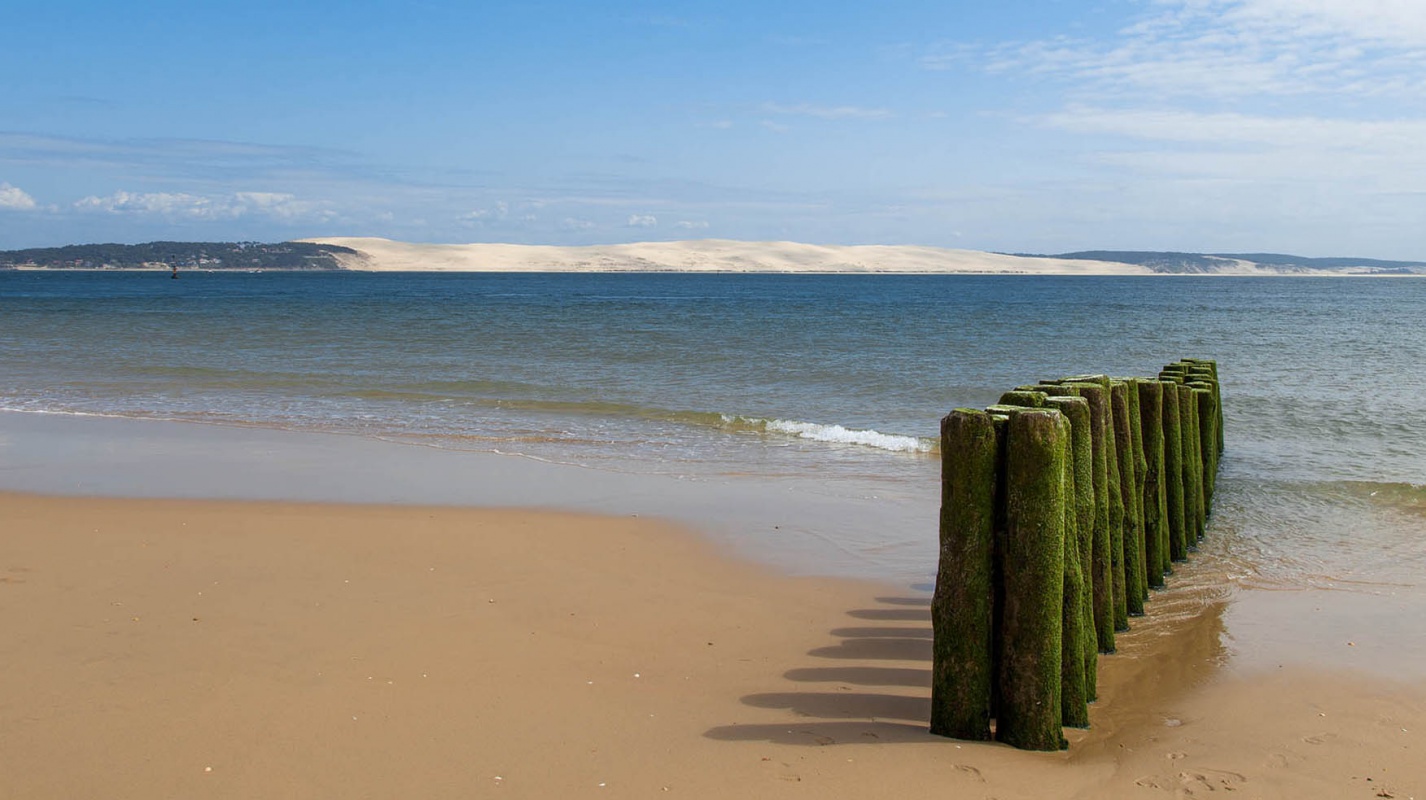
[{"x": 1062, "y": 506}]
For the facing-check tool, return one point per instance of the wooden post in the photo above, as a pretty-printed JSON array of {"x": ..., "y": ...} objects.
[
  {"x": 1074, "y": 693},
  {"x": 1136, "y": 438},
  {"x": 1207, "y": 436},
  {"x": 1102, "y": 572},
  {"x": 1192, "y": 471},
  {"x": 1131, "y": 599},
  {"x": 1156, "y": 522},
  {"x": 1077, "y": 411},
  {"x": 1029, "y": 716},
  {"x": 1173, "y": 474},
  {"x": 961, "y": 609}
]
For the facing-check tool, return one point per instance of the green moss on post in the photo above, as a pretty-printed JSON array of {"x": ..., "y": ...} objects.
[
  {"x": 961, "y": 609},
  {"x": 1074, "y": 694},
  {"x": 1136, "y": 439},
  {"x": 1029, "y": 716},
  {"x": 1131, "y": 599},
  {"x": 1116, "y": 511},
  {"x": 1076, "y": 410},
  {"x": 1022, "y": 398},
  {"x": 1192, "y": 469},
  {"x": 1101, "y": 572},
  {"x": 1179, "y": 517},
  {"x": 1156, "y": 535},
  {"x": 997, "y": 611},
  {"x": 1207, "y": 438}
]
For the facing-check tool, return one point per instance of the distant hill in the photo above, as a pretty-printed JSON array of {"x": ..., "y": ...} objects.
[
  {"x": 706, "y": 255},
  {"x": 184, "y": 255},
  {"x": 1275, "y": 263}
]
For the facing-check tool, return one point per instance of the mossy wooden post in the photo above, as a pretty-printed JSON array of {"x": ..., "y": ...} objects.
[
  {"x": 1101, "y": 572},
  {"x": 1021, "y": 397},
  {"x": 1192, "y": 471},
  {"x": 1029, "y": 716},
  {"x": 1156, "y": 527},
  {"x": 1136, "y": 440},
  {"x": 1128, "y": 581},
  {"x": 1211, "y": 368},
  {"x": 1177, "y": 370},
  {"x": 961, "y": 609},
  {"x": 1173, "y": 474},
  {"x": 997, "y": 605},
  {"x": 1074, "y": 695},
  {"x": 1116, "y": 511},
  {"x": 1207, "y": 437},
  {"x": 1076, "y": 410}
]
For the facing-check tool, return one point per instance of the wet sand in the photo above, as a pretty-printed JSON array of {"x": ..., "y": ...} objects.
[{"x": 164, "y": 648}]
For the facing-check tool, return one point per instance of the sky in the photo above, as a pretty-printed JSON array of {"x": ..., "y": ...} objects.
[{"x": 1041, "y": 126}]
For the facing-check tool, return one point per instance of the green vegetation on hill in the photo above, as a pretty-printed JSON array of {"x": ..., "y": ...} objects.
[{"x": 184, "y": 255}]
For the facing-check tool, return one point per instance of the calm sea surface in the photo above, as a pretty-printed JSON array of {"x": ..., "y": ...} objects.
[{"x": 841, "y": 378}]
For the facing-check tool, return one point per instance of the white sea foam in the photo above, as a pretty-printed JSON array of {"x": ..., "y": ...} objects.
[{"x": 836, "y": 434}]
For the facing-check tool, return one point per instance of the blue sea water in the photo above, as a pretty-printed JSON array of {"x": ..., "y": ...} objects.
[{"x": 841, "y": 379}]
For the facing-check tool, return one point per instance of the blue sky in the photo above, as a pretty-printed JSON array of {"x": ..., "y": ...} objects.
[{"x": 1039, "y": 126}]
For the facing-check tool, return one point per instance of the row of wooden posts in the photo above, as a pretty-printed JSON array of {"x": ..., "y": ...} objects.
[{"x": 1061, "y": 507}]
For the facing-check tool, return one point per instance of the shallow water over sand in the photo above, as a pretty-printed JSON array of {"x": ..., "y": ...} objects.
[{"x": 795, "y": 415}]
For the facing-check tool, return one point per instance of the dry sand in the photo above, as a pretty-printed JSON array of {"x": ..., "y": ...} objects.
[
  {"x": 704, "y": 255},
  {"x": 167, "y": 648}
]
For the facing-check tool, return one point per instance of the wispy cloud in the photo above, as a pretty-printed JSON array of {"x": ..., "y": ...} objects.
[
  {"x": 1229, "y": 49},
  {"x": 825, "y": 112},
  {"x": 642, "y": 221},
  {"x": 691, "y": 225},
  {"x": 172, "y": 156},
  {"x": 13, "y": 198},
  {"x": 1231, "y": 129},
  {"x": 184, "y": 206},
  {"x": 499, "y": 211}
]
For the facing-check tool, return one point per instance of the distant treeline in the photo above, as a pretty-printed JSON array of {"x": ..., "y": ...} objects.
[
  {"x": 1214, "y": 262},
  {"x": 184, "y": 255}
]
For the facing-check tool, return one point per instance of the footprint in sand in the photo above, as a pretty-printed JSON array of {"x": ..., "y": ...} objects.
[
  {"x": 971, "y": 772},
  {"x": 1194, "y": 783},
  {"x": 1321, "y": 738},
  {"x": 1282, "y": 760}
]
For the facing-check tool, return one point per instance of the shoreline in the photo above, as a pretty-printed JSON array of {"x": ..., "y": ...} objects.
[
  {"x": 246, "y": 648},
  {"x": 789, "y": 522}
]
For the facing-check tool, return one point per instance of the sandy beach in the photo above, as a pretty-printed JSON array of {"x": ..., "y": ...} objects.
[{"x": 166, "y": 648}]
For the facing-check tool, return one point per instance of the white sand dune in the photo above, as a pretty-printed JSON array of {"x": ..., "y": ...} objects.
[{"x": 704, "y": 255}]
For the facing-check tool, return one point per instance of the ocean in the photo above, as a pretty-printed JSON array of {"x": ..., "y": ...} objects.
[{"x": 834, "y": 384}]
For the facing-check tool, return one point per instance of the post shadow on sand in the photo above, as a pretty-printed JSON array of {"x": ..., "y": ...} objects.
[
  {"x": 842, "y": 714},
  {"x": 1152, "y": 669}
]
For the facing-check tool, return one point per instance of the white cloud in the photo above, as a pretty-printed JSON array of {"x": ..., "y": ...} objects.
[
  {"x": 1227, "y": 129},
  {"x": 826, "y": 112},
  {"x": 691, "y": 225},
  {"x": 499, "y": 211},
  {"x": 13, "y": 198},
  {"x": 1231, "y": 49},
  {"x": 642, "y": 221},
  {"x": 1389, "y": 21},
  {"x": 1341, "y": 157},
  {"x": 182, "y": 205},
  {"x": 573, "y": 224}
]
